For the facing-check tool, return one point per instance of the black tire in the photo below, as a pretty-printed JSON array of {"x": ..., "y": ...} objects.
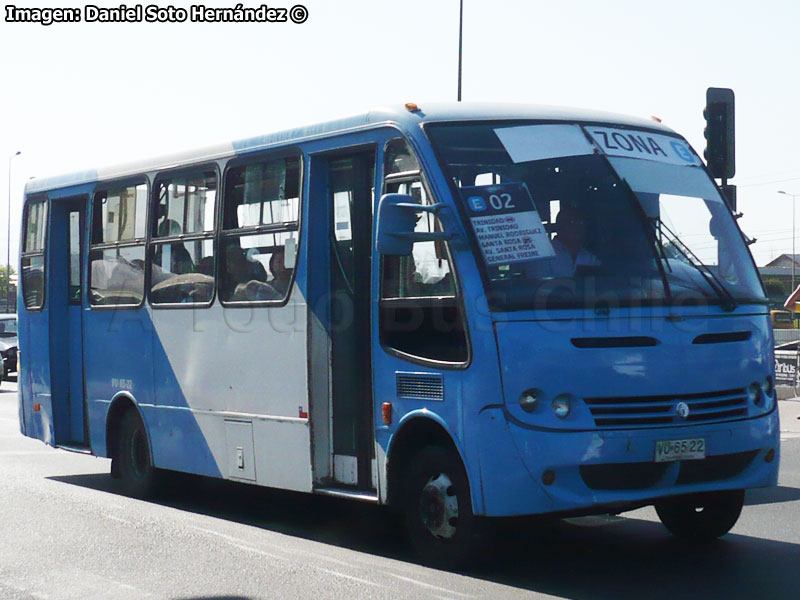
[
  {"x": 703, "y": 517},
  {"x": 134, "y": 465},
  {"x": 436, "y": 485}
]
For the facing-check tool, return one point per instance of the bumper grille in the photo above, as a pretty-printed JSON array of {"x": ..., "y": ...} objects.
[{"x": 663, "y": 410}]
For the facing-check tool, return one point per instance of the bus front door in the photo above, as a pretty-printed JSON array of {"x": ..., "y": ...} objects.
[
  {"x": 66, "y": 309},
  {"x": 350, "y": 182}
]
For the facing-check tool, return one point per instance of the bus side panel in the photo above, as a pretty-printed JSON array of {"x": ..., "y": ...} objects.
[
  {"x": 119, "y": 359},
  {"x": 231, "y": 381},
  {"x": 180, "y": 439},
  {"x": 34, "y": 373}
]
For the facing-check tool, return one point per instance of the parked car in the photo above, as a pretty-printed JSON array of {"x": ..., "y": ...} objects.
[{"x": 8, "y": 343}]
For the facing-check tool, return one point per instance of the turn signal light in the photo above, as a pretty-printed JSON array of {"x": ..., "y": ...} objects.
[
  {"x": 37, "y": 407},
  {"x": 386, "y": 412}
]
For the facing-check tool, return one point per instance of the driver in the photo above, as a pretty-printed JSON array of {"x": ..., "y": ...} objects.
[{"x": 569, "y": 247}]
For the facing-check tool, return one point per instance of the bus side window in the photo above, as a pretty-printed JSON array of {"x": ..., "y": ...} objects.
[
  {"x": 33, "y": 254},
  {"x": 260, "y": 221},
  {"x": 182, "y": 250},
  {"x": 420, "y": 312},
  {"x": 117, "y": 252}
]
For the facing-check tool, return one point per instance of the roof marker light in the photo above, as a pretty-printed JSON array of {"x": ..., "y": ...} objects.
[
  {"x": 655, "y": 118},
  {"x": 412, "y": 107}
]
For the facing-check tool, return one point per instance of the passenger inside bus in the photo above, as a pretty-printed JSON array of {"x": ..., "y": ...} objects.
[
  {"x": 281, "y": 276},
  {"x": 246, "y": 280}
]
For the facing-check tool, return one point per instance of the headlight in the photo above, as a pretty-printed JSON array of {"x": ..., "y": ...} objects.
[
  {"x": 529, "y": 400},
  {"x": 562, "y": 406},
  {"x": 754, "y": 393}
]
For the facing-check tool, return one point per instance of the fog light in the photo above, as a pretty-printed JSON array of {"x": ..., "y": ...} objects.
[
  {"x": 767, "y": 386},
  {"x": 768, "y": 401},
  {"x": 770, "y": 456},
  {"x": 529, "y": 399},
  {"x": 548, "y": 477},
  {"x": 561, "y": 406},
  {"x": 754, "y": 393}
]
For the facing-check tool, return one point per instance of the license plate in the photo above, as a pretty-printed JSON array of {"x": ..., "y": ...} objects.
[{"x": 669, "y": 450}]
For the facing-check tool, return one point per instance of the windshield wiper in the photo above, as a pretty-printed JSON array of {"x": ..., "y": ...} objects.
[{"x": 728, "y": 303}]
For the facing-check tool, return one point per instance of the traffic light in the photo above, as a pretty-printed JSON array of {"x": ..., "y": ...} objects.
[{"x": 720, "y": 152}]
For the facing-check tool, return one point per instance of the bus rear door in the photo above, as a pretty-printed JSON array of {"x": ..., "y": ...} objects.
[{"x": 65, "y": 300}]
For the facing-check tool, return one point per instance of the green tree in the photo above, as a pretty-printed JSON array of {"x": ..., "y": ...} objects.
[{"x": 12, "y": 289}]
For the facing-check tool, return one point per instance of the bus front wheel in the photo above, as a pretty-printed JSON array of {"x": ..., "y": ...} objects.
[
  {"x": 137, "y": 475},
  {"x": 439, "y": 520},
  {"x": 702, "y": 517}
]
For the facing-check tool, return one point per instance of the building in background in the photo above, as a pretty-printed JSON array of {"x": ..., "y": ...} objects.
[{"x": 777, "y": 278}]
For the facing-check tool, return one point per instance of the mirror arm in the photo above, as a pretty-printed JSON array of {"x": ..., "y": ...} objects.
[{"x": 416, "y": 208}]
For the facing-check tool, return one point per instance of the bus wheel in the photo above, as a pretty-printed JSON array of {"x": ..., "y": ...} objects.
[
  {"x": 137, "y": 475},
  {"x": 702, "y": 517},
  {"x": 439, "y": 520}
]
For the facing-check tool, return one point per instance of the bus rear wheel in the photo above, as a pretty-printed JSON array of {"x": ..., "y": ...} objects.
[
  {"x": 439, "y": 520},
  {"x": 702, "y": 517},
  {"x": 137, "y": 475}
]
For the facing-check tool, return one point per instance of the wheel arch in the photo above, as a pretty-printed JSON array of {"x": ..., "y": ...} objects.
[{"x": 417, "y": 430}]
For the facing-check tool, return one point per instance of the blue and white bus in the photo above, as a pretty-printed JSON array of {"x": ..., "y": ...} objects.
[{"x": 462, "y": 310}]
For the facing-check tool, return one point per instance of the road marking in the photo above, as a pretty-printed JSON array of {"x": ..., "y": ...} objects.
[
  {"x": 431, "y": 586},
  {"x": 236, "y": 542},
  {"x": 350, "y": 577},
  {"x": 23, "y": 452},
  {"x": 343, "y": 563},
  {"x": 120, "y": 519}
]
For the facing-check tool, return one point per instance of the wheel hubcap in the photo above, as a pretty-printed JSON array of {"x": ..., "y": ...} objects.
[{"x": 438, "y": 507}]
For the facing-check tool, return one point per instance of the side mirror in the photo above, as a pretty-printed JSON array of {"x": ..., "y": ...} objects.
[{"x": 397, "y": 219}]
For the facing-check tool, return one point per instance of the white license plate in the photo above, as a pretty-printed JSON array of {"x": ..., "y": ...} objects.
[{"x": 669, "y": 450}]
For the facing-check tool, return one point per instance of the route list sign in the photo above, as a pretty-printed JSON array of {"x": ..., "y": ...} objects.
[{"x": 506, "y": 223}]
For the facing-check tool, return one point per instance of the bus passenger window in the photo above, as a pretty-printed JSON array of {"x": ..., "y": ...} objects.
[
  {"x": 182, "y": 251},
  {"x": 117, "y": 252},
  {"x": 260, "y": 231},
  {"x": 420, "y": 313},
  {"x": 33, "y": 254}
]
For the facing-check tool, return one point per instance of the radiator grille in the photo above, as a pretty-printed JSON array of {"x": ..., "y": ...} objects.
[
  {"x": 662, "y": 410},
  {"x": 420, "y": 386}
]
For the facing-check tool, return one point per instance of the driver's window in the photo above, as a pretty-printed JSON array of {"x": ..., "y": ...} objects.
[{"x": 420, "y": 314}]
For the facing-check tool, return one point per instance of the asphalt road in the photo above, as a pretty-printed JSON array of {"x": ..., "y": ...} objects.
[{"x": 65, "y": 533}]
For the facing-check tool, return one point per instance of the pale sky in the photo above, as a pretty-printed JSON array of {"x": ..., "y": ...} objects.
[{"x": 74, "y": 96}]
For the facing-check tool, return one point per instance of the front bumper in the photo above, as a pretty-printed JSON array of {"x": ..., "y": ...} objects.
[{"x": 596, "y": 469}]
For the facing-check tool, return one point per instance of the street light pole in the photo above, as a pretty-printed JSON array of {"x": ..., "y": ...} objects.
[
  {"x": 8, "y": 235},
  {"x": 460, "y": 32}
]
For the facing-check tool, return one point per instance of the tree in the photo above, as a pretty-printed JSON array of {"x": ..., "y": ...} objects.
[{"x": 10, "y": 303}]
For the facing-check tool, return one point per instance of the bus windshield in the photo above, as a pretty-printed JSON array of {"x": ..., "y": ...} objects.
[{"x": 573, "y": 216}]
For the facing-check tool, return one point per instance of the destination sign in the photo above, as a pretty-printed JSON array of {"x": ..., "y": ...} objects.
[
  {"x": 506, "y": 223},
  {"x": 635, "y": 143}
]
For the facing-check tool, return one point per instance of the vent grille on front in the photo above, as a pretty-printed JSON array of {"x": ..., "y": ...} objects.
[
  {"x": 661, "y": 410},
  {"x": 420, "y": 386}
]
